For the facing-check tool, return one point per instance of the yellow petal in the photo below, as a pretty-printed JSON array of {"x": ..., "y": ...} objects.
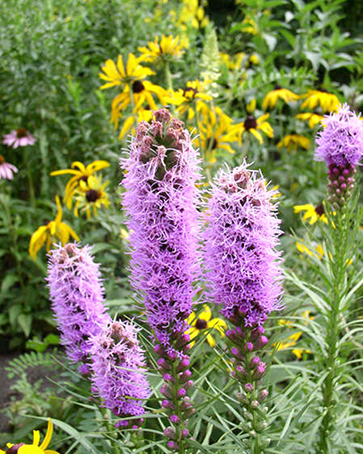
[
  {"x": 37, "y": 241},
  {"x": 48, "y": 435},
  {"x": 206, "y": 314},
  {"x": 36, "y": 437},
  {"x": 58, "y": 218}
]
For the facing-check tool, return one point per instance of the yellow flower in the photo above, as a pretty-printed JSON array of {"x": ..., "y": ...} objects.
[
  {"x": 319, "y": 251},
  {"x": 91, "y": 195},
  {"x": 327, "y": 101},
  {"x": 140, "y": 115},
  {"x": 136, "y": 95},
  {"x": 292, "y": 340},
  {"x": 124, "y": 75},
  {"x": 278, "y": 93},
  {"x": 313, "y": 213},
  {"x": 168, "y": 48},
  {"x": 249, "y": 26},
  {"x": 216, "y": 132},
  {"x": 253, "y": 125},
  {"x": 192, "y": 14},
  {"x": 312, "y": 117},
  {"x": 50, "y": 232},
  {"x": 81, "y": 173},
  {"x": 34, "y": 448},
  {"x": 203, "y": 322},
  {"x": 191, "y": 99},
  {"x": 293, "y": 141}
]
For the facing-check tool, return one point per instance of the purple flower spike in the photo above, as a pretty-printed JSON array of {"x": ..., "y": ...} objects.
[
  {"x": 161, "y": 203},
  {"x": 77, "y": 297},
  {"x": 240, "y": 240},
  {"x": 340, "y": 145},
  {"x": 119, "y": 369}
]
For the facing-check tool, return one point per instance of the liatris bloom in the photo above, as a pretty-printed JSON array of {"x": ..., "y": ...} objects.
[
  {"x": 6, "y": 170},
  {"x": 340, "y": 145},
  {"x": 160, "y": 200},
  {"x": 19, "y": 138},
  {"x": 77, "y": 296},
  {"x": 243, "y": 270},
  {"x": 118, "y": 365}
]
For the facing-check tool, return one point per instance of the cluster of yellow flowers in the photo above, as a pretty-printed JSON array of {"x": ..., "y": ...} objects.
[{"x": 86, "y": 190}]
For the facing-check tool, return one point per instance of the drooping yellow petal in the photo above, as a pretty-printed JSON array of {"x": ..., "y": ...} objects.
[
  {"x": 48, "y": 435},
  {"x": 37, "y": 241},
  {"x": 36, "y": 437},
  {"x": 58, "y": 218}
]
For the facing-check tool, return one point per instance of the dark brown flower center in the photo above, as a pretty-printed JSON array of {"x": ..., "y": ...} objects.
[
  {"x": 212, "y": 143},
  {"x": 187, "y": 89},
  {"x": 250, "y": 123},
  {"x": 319, "y": 210},
  {"x": 201, "y": 324},
  {"x": 84, "y": 178},
  {"x": 21, "y": 132},
  {"x": 92, "y": 195},
  {"x": 278, "y": 87},
  {"x": 2, "y": 159},
  {"x": 138, "y": 87}
]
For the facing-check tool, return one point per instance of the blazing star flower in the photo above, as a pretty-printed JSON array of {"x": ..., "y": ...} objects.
[
  {"x": 160, "y": 201},
  {"x": 253, "y": 125},
  {"x": 313, "y": 213},
  {"x": 278, "y": 93},
  {"x": 168, "y": 49},
  {"x": 203, "y": 323},
  {"x": 239, "y": 252},
  {"x": 217, "y": 131},
  {"x": 50, "y": 233},
  {"x": 312, "y": 117},
  {"x": 190, "y": 100},
  {"x": 19, "y": 138},
  {"x": 6, "y": 170},
  {"x": 77, "y": 296},
  {"x": 118, "y": 366},
  {"x": 320, "y": 98},
  {"x": 293, "y": 141},
  {"x": 340, "y": 145},
  {"x": 34, "y": 448},
  {"x": 80, "y": 173},
  {"x": 91, "y": 196}
]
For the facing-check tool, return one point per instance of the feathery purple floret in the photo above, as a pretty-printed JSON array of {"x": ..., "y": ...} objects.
[
  {"x": 77, "y": 296},
  {"x": 160, "y": 201},
  {"x": 340, "y": 143},
  {"x": 240, "y": 240},
  {"x": 118, "y": 366}
]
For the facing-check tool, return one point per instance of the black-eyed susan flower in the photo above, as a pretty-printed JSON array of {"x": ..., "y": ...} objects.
[
  {"x": 203, "y": 323},
  {"x": 51, "y": 232},
  {"x": 192, "y": 14},
  {"x": 120, "y": 74},
  {"x": 80, "y": 173},
  {"x": 315, "y": 214},
  {"x": 35, "y": 447},
  {"x": 320, "y": 98},
  {"x": 311, "y": 117},
  {"x": 137, "y": 94},
  {"x": 254, "y": 125},
  {"x": 293, "y": 141},
  {"x": 249, "y": 25},
  {"x": 278, "y": 93},
  {"x": 91, "y": 195},
  {"x": 190, "y": 99},
  {"x": 168, "y": 48},
  {"x": 217, "y": 131}
]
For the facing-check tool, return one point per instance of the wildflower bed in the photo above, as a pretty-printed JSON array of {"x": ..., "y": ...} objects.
[{"x": 172, "y": 249}]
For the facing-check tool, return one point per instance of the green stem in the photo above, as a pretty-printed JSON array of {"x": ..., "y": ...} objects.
[
  {"x": 168, "y": 79},
  {"x": 180, "y": 426},
  {"x": 111, "y": 429},
  {"x": 30, "y": 178}
]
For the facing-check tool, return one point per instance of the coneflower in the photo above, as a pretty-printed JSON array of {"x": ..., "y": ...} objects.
[
  {"x": 161, "y": 203},
  {"x": 340, "y": 145},
  {"x": 77, "y": 296},
  {"x": 243, "y": 272},
  {"x": 118, "y": 366}
]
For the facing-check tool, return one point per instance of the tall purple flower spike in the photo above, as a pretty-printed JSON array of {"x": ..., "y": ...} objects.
[
  {"x": 240, "y": 240},
  {"x": 118, "y": 366},
  {"x": 243, "y": 271},
  {"x": 77, "y": 296},
  {"x": 161, "y": 202},
  {"x": 340, "y": 145}
]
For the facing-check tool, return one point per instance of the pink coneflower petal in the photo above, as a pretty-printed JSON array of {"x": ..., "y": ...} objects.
[
  {"x": 19, "y": 138},
  {"x": 6, "y": 170}
]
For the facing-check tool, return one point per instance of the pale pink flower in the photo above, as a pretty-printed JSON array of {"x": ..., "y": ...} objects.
[
  {"x": 19, "y": 138},
  {"x": 6, "y": 169}
]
